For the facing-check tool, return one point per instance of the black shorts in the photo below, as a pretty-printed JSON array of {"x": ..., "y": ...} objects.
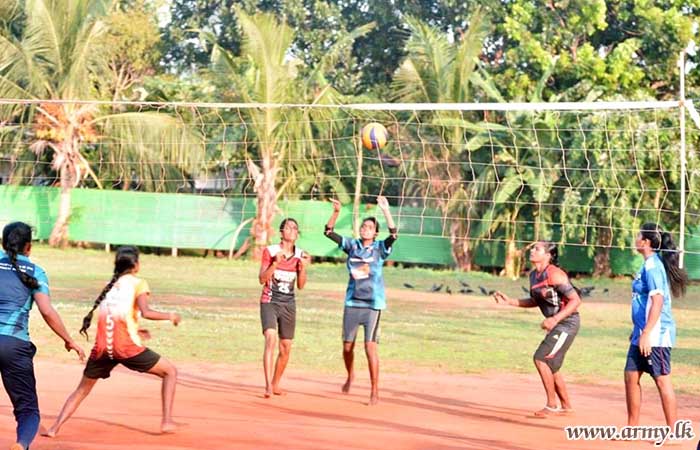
[
  {"x": 279, "y": 316},
  {"x": 101, "y": 368},
  {"x": 367, "y": 317},
  {"x": 554, "y": 346},
  {"x": 656, "y": 364}
]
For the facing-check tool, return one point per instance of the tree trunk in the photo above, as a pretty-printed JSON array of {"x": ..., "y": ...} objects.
[
  {"x": 601, "y": 261},
  {"x": 262, "y": 230},
  {"x": 513, "y": 259},
  {"x": 59, "y": 234},
  {"x": 461, "y": 251}
]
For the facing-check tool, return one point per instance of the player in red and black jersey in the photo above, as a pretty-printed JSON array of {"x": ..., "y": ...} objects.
[
  {"x": 283, "y": 266},
  {"x": 552, "y": 292}
]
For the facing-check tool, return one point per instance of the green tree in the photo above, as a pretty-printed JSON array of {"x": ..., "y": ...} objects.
[
  {"x": 57, "y": 61},
  {"x": 436, "y": 70},
  {"x": 266, "y": 72},
  {"x": 372, "y": 59}
]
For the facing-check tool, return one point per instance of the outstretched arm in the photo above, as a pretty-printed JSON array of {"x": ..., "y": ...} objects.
[
  {"x": 152, "y": 314},
  {"x": 503, "y": 299},
  {"x": 53, "y": 320}
]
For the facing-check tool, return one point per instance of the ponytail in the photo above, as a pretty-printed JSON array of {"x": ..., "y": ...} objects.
[
  {"x": 87, "y": 320},
  {"x": 662, "y": 242},
  {"x": 15, "y": 237},
  {"x": 124, "y": 262}
]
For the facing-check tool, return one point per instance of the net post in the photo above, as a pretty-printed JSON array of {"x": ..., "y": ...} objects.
[{"x": 681, "y": 243}]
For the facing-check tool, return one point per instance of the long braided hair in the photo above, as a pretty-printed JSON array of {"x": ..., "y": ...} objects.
[
  {"x": 124, "y": 262},
  {"x": 15, "y": 237},
  {"x": 662, "y": 242}
]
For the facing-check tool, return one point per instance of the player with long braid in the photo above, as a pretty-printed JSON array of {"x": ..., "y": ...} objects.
[
  {"x": 118, "y": 340},
  {"x": 22, "y": 283}
]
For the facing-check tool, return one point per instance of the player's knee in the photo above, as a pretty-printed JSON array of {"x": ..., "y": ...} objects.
[
  {"x": 270, "y": 337},
  {"x": 348, "y": 347},
  {"x": 285, "y": 347}
]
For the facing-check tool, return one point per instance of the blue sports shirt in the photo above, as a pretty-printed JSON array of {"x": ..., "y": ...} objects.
[
  {"x": 16, "y": 299},
  {"x": 652, "y": 280},
  {"x": 366, "y": 283}
]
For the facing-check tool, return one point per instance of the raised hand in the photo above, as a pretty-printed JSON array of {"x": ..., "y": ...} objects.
[
  {"x": 382, "y": 203},
  {"x": 336, "y": 205}
]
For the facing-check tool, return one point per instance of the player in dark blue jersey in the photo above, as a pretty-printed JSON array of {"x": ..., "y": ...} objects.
[
  {"x": 21, "y": 284},
  {"x": 364, "y": 298}
]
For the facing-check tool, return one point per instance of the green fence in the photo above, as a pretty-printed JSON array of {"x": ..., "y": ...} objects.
[{"x": 209, "y": 222}]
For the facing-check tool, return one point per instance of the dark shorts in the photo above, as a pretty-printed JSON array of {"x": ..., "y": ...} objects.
[
  {"x": 554, "y": 346},
  {"x": 367, "y": 317},
  {"x": 279, "y": 316},
  {"x": 657, "y": 364},
  {"x": 102, "y": 367}
]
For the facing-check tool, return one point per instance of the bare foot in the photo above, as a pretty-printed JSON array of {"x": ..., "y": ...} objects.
[
  {"x": 278, "y": 391},
  {"x": 374, "y": 399},
  {"x": 168, "y": 427},
  {"x": 268, "y": 392},
  {"x": 49, "y": 433},
  {"x": 348, "y": 383}
]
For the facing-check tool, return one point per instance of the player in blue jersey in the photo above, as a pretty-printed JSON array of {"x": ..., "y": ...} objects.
[
  {"x": 654, "y": 330},
  {"x": 364, "y": 297},
  {"x": 21, "y": 284}
]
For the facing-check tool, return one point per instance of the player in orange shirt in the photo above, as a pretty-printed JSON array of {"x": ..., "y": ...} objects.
[{"x": 118, "y": 338}]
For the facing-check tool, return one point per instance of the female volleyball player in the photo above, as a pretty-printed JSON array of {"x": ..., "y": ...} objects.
[
  {"x": 654, "y": 330},
  {"x": 117, "y": 340},
  {"x": 21, "y": 284},
  {"x": 552, "y": 292},
  {"x": 283, "y": 265},
  {"x": 364, "y": 297}
]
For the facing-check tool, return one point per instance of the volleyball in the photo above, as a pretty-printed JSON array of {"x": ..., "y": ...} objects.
[{"x": 374, "y": 136}]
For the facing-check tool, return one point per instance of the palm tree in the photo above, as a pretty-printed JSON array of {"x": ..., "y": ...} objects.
[
  {"x": 437, "y": 70},
  {"x": 55, "y": 67},
  {"x": 266, "y": 72}
]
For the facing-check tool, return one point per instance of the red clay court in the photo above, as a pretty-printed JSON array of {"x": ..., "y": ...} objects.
[{"x": 221, "y": 407}]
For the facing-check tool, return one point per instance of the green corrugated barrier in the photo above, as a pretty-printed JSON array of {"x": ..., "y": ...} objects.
[{"x": 209, "y": 222}]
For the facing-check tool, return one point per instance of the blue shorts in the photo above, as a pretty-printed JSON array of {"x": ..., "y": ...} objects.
[{"x": 657, "y": 364}]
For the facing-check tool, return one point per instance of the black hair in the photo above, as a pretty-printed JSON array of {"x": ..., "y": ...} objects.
[
  {"x": 662, "y": 243},
  {"x": 551, "y": 248},
  {"x": 15, "y": 237},
  {"x": 284, "y": 223},
  {"x": 125, "y": 260},
  {"x": 374, "y": 221}
]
